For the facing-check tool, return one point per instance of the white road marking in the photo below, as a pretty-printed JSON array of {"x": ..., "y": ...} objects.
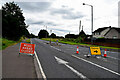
[
  {"x": 97, "y": 65},
  {"x": 113, "y": 57},
  {"x": 40, "y": 67},
  {"x": 56, "y": 48},
  {"x": 60, "y": 61},
  {"x": 98, "y": 57}
]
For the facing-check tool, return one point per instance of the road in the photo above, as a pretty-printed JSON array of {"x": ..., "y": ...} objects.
[{"x": 63, "y": 62}]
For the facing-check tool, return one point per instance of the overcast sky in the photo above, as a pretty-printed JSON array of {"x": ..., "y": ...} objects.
[{"x": 63, "y": 16}]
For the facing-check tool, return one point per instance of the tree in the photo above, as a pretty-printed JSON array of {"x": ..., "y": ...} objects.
[
  {"x": 82, "y": 36},
  {"x": 43, "y": 34},
  {"x": 53, "y": 35},
  {"x": 71, "y": 36},
  {"x": 82, "y": 33},
  {"x": 13, "y": 25},
  {"x": 32, "y": 35}
]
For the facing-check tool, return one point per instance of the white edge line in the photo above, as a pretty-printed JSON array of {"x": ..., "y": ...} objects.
[
  {"x": 42, "y": 72},
  {"x": 40, "y": 67},
  {"x": 97, "y": 65}
]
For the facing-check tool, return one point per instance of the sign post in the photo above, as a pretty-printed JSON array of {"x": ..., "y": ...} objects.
[
  {"x": 57, "y": 42},
  {"x": 27, "y": 48}
]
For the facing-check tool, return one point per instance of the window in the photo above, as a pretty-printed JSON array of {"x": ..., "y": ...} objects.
[
  {"x": 114, "y": 37},
  {"x": 98, "y": 33}
]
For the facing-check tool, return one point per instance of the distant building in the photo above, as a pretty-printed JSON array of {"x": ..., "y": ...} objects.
[{"x": 107, "y": 32}]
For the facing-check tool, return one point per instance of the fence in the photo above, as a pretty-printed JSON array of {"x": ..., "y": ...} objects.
[{"x": 105, "y": 42}]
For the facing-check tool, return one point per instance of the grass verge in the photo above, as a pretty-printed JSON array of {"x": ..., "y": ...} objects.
[
  {"x": 0, "y": 43},
  {"x": 28, "y": 40},
  {"x": 6, "y": 43},
  {"x": 73, "y": 43}
]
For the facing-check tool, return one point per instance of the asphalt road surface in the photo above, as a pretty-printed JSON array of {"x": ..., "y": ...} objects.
[{"x": 61, "y": 61}]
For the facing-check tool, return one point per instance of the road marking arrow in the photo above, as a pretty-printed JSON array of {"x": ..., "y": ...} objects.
[
  {"x": 60, "y": 61},
  {"x": 96, "y": 51}
]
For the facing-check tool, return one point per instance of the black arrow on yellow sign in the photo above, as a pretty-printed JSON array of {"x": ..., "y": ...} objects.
[{"x": 96, "y": 51}]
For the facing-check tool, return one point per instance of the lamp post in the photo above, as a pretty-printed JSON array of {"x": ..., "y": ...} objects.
[
  {"x": 50, "y": 36},
  {"x": 91, "y": 21}
]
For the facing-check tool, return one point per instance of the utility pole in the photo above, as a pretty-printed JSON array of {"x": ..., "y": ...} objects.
[
  {"x": 82, "y": 27},
  {"x": 79, "y": 26}
]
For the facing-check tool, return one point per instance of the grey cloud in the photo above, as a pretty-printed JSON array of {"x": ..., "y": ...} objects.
[
  {"x": 34, "y": 6},
  {"x": 44, "y": 23},
  {"x": 67, "y": 13},
  {"x": 74, "y": 16},
  {"x": 60, "y": 30},
  {"x": 60, "y": 11},
  {"x": 40, "y": 22},
  {"x": 64, "y": 6}
]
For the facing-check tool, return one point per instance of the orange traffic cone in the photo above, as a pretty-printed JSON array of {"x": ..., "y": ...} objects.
[
  {"x": 77, "y": 50},
  {"x": 105, "y": 54}
]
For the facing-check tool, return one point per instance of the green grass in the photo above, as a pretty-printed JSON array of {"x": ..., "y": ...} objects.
[
  {"x": 28, "y": 40},
  {"x": 0, "y": 43},
  {"x": 73, "y": 43},
  {"x": 52, "y": 39},
  {"x": 6, "y": 43}
]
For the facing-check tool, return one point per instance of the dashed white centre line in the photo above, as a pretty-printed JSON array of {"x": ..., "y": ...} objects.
[{"x": 56, "y": 48}]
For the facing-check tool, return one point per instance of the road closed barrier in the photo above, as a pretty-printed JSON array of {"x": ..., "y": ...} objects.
[{"x": 27, "y": 48}]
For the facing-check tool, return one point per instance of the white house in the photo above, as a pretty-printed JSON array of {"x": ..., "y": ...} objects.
[{"x": 107, "y": 32}]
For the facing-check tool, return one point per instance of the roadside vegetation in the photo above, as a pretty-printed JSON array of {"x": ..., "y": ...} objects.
[
  {"x": 28, "y": 40},
  {"x": 75, "y": 42},
  {"x": 6, "y": 43},
  {"x": 0, "y": 43},
  {"x": 12, "y": 18}
]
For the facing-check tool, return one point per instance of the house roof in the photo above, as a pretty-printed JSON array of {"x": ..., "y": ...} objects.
[
  {"x": 118, "y": 29},
  {"x": 100, "y": 29}
]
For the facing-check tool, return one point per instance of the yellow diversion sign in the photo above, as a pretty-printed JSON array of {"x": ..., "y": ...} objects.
[{"x": 95, "y": 50}]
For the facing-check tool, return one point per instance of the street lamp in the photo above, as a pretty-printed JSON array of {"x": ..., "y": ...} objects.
[
  {"x": 91, "y": 21},
  {"x": 50, "y": 36}
]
